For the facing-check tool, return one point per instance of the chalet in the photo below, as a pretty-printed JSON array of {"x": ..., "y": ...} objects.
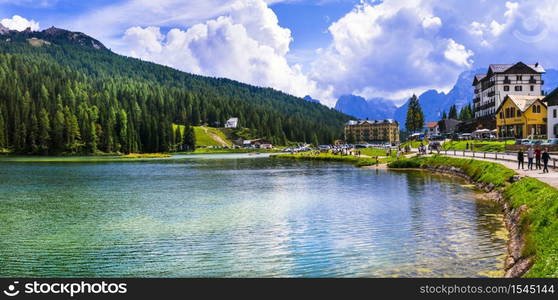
[
  {"x": 432, "y": 129},
  {"x": 522, "y": 117}
]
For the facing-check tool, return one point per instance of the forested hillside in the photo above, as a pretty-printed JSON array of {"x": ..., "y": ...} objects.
[{"x": 64, "y": 92}]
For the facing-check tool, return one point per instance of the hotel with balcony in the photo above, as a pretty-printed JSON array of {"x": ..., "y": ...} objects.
[{"x": 501, "y": 80}]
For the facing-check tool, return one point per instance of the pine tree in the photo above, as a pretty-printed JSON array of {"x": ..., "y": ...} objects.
[
  {"x": 453, "y": 112},
  {"x": 415, "y": 116},
  {"x": 3, "y": 141},
  {"x": 44, "y": 131},
  {"x": 315, "y": 141}
]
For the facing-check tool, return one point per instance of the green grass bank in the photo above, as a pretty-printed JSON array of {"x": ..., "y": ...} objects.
[{"x": 357, "y": 161}]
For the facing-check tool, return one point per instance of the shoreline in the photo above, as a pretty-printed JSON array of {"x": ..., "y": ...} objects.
[{"x": 516, "y": 263}]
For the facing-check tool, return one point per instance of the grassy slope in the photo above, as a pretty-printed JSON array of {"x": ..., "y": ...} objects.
[
  {"x": 414, "y": 144},
  {"x": 204, "y": 135},
  {"x": 375, "y": 152},
  {"x": 480, "y": 171},
  {"x": 483, "y": 146},
  {"x": 540, "y": 223}
]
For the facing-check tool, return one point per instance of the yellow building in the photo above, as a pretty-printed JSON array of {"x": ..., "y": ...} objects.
[
  {"x": 385, "y": 131},
  {"x": 521, "y": 117}
]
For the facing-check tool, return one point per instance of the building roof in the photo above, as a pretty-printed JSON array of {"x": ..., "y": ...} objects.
[
  {"x": 517, "y": 68},
  {"x": 502, "y": 68},
  {"x": 478, "y": 78},
  {"x": 431, "y": 124},
  {"x": 521, "y": 101},
  {"x": 360, "y": 122}
]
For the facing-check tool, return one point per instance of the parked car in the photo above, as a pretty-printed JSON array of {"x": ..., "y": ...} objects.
[
  {"x": 522, "y": 142},
  {"x": 535, "y": 142},
  {"x": 465, "y": 136},
  {"x": 550, "y": 142}
]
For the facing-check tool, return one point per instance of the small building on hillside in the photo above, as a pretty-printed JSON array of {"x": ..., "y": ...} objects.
[
  {"x": 551, "y": 101},
  {"x": 375, "y": 131},
  {"x": 232, "y": 123},
  {"x": 522, "y": 117}
]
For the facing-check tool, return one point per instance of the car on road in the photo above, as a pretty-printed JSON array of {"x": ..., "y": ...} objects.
[
  {"x": 550, "y": 142},
  {"x": 522, "y": 142}
]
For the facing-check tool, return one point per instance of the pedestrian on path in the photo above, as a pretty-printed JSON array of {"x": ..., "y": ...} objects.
[
  {"x": 530, "y": 157},
  {"x": 545, "y": 158},
  {"x": 520, "y": 160},
  {"x": 538, "y": 158}
]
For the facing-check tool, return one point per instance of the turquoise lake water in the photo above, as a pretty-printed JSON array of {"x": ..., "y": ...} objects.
[{"x": 240, "y": 216}]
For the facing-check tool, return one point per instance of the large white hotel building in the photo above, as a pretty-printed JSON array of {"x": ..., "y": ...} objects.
[{"x": 501, "y": 80}]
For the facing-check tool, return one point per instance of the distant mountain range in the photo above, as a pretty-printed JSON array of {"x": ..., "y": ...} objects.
[
  {"x": 433, "y": 103},
  {"x": 361, "y": 108}
]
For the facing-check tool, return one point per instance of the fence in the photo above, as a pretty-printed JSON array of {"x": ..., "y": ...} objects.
[{"x": 502, "y": 156}]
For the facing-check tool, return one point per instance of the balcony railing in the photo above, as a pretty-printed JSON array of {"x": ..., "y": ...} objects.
[
  {"x": 507, "y": 81},
  {"x": 491, "y": 94},
  {"x": 476, "y": 100}
]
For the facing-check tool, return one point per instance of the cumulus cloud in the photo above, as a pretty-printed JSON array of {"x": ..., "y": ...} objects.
[
  {"x": 380, "y": 48},
  {"x": 388, "y": 49},
  {"x": 19, "y": 23},
  {"x": 247, "y": 45},
  {"x": 458, "y": 54}
]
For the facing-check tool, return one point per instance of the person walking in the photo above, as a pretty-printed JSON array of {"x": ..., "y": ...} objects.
[
  {"x": 530, "y": 157},
  {"x": 538, "y": 158},
  {"x": 520, "y": 160},
  {"x": 545, "y": 158}
]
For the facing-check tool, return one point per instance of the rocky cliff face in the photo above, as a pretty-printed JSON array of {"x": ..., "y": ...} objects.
[{"x": 53, "y": 35}]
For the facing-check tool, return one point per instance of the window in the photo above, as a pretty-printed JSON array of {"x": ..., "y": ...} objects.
[
  {"x": 518, "y": 113},
  {"x": 506, "y": 78},
  {"x": 554, "y": 113},
  {"x": 518, "y": 88},
  {"x": 502, "y": 114},
  {"x": 536, "y": 109},
  {"x": 532, "y": 88},
  {"x": 506, "y": 88},
  {"x": 532, "y": 77},
  {"x": 519, "y": 78}
]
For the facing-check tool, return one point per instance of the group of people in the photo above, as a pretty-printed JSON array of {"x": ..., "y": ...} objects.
[
  {"x": 422, "y": 149},
  {"x": 534, "y": 158}
]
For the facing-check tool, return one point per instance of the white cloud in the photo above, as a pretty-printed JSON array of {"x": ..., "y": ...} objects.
[
  {"x": 458, "y": 54},
  {"x": 20, "y": 24},
  {"x": 431, "y": 22},
  {"x": 389, "y": 49},
  {"x": 384, "y": 48},
  {"x": 247, "y": 45}
]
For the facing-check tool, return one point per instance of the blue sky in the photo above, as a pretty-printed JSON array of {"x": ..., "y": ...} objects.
[{"x": 324, "y": 48}]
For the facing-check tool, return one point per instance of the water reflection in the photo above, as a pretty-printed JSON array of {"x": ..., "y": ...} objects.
[{"x": 237, "y": 216}]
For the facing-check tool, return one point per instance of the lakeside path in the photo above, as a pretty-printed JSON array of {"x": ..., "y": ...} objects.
[{"x": 507, "y": 160}]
